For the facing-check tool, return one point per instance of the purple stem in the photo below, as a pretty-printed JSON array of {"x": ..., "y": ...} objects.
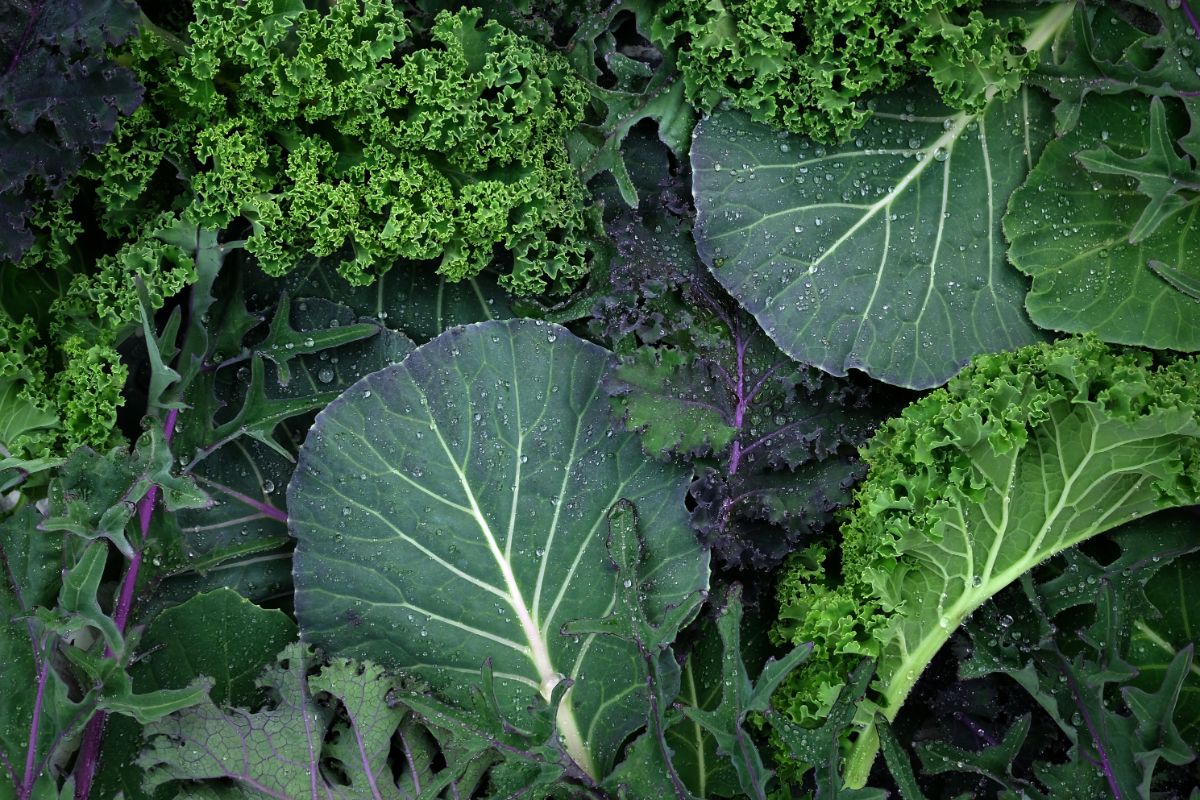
[
  {"x": 31, "y": 750},
  {"x": 1187, "y": 10},
  {"x": 1105, "y": 766},
  {"x": 93, "y": 735},
  {"x": 266, "y": 509},
  {"x": 34, "y": 14}
]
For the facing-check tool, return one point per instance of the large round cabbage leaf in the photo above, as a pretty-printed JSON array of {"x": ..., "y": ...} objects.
[
  {"x": 882, "y": 254},
  {"x": 453, "y": 508}
]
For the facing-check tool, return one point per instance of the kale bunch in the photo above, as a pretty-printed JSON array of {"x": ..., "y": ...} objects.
[
  {"x": 349, "y": 134},
  {"x": 352, "y": 134},
  {"x": 807, "y": 67}
]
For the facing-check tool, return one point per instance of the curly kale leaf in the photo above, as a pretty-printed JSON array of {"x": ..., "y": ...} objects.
[
  {"x": 343, "y": 133},
  {"x": 774, "y": 442},
  {"x": 60, "y": 98},
  {"x": 1021, "y": 456},
  {"x": 60, "y": 326},
  {"x": 806, "y": 67}
]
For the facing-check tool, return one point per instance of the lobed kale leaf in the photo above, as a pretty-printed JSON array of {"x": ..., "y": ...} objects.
[{"x": 1074, "y": 638}]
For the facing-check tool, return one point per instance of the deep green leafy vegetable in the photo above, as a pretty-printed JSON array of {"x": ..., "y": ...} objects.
[
  {"x": 217, "y": 634},
  {"x": 1022, "y": 456},
  {"x": 1084, "y": 229},
  {"x": 1162, "y": 174},
  {"x": 448, "y": 509},
  {"x": 773, "y": 443},
  {"x": 629, "y": 85},
  {"x": 49, "y": 609},
  {"x": 406, "y": 299},
  {"x": 994, "y": 762},
  {"x": 805, "y": 67},
  {"x": 60, "y": 98},
  {"x": 740, "y": 698},
  {"x": 326, "y": 731},
  {"x": 1157, "y": 637},
  {"x": 694, "y": 750},
  {"x": 629, "y": 622},
  {"x": 1148, "y": 46},
  {"x": 344, "y": 133},
  {"x": 881, "y": 254},
  {"x": 821, "y": 746},
  {"x": 63, "y": 313},
  {"x": 1123, "y": 727}
]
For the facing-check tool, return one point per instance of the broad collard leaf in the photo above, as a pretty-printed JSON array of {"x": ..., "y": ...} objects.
[
  {"x": 1070, "y": 231},
  {"x": 452, "y": 508},
  {"x": 883, "y": 254}
]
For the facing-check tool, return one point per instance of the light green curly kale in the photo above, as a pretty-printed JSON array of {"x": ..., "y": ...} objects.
[
  {"x": 806, "y": 67},
  {"x": 345, "y": 134},
  {"x": 1021, "y": 456},
  {"x": 62, "y": 316}
]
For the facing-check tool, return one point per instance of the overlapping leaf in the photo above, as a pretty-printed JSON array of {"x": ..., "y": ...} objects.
[
  {"x": 451, "y": 508},
  {"x": 1085, "y": 239},
  {"x": 882, "y": 254}
]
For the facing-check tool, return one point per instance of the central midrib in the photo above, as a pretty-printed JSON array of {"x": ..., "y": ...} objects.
[{"x": 539, "y": 652}]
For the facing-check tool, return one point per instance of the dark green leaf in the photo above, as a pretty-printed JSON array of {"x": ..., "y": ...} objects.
[
  {"x": 787, "y": 226},
  {"x": 1161, "y": 173},
  {"x": 445, "y": 511},
  {"x": 897, "y": 761},
  {"x": 740, "y": 697},
  {"x": 1185, "y": 282},
  {"x": 1070, "y": 232}
]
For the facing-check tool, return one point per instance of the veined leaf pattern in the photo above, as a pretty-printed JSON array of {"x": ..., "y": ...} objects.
[
  {"x": 884, "y": 254},
  {"x": 452, "y": 508}
]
